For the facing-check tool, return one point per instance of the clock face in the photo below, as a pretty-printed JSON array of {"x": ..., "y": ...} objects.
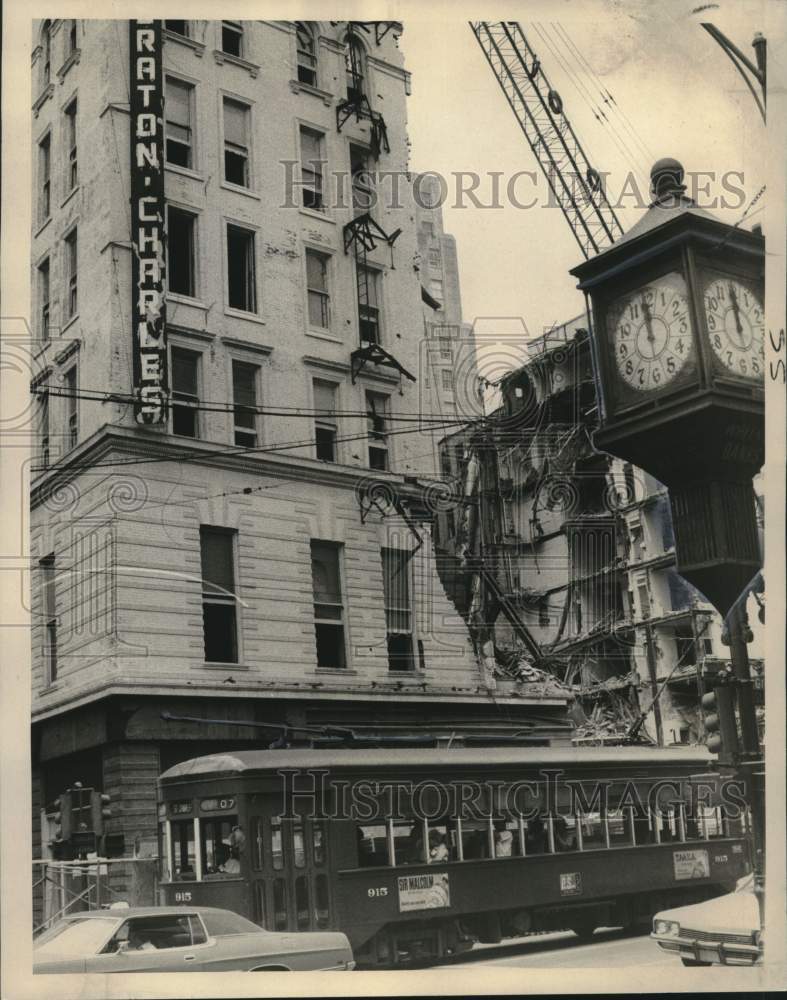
[
  {"x": 651, "y": 333},
  {"x": 736, "y": 325}
]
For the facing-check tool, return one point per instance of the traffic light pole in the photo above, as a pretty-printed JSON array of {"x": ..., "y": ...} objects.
[{"x": 751, "y": 765}]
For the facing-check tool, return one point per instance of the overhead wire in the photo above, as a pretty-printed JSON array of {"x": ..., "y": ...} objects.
[{"x": 607, "y": 97}]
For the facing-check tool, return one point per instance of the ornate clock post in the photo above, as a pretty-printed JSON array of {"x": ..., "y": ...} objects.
[{"x": 678, "y": 338}]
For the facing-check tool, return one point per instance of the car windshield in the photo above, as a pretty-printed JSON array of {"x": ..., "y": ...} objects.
[{"x": 74, "y": 937}]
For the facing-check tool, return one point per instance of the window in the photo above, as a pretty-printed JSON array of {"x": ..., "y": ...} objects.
[
  {"x": 242, "y": 284},
  {"x": 183, "y": 861},
  {"x": 398, "y": 609},
  {"x": 317, "y": 285},
  {"x": 362, "y": 181},
  {"x": 311, "y": 169},
  {"x": 185, "y": 392},
  {"x": 232, "y": 38},
  {"x": 325, "y": 428},
  {"x": 306, "y": 53},
  {"x": 377, "y": 429},
  {"x": 236, "y": 142},
  {"x": 328, "y": 605},
  {"x": 48, "y": 594},
  {"x": 71, "y": 270},
  {"x": 43, "y": 426},
  {"x": 436, "y": 290},
  {"x": 46, "y": 44},
  {"x": 71, "y": 145},
  {"x": 244, "y": 393},
  {"x": 353, "y": 64},
  {"x": 644, "y": 600},
  {"x": 178, "y": 27},
  {"x": 435, "y": 259},
  {"x": 45, "y": 177},
  {"x": 43, "y": 299},
  {"x": 158, "y": 933},
  {"x": 72, "y": 421},
  {"x": 177, "y": 113},
  {"x": 447, "y": 379},
  {"x": 445, "y": 348},
  {"x": 368, "y": 304},
  {"x": 72, "y": 36},
  {"x": 220, "y": 855},
  {"x": 219, "y": 618},
  {"x": 181, "y": 272}
]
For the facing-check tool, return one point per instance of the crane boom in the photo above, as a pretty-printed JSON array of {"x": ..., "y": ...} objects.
[{"x": 575, "y": 184}]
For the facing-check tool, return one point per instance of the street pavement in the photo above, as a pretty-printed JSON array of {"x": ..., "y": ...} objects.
[{"x": 610, "y": 948}]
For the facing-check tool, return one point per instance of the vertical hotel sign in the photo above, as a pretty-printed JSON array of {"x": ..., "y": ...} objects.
[{"x": 148, "y": 308}]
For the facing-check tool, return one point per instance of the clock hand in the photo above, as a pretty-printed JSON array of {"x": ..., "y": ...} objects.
[
  {"x": 736, "y": 310},
  {"x": 649, "y": 325}
]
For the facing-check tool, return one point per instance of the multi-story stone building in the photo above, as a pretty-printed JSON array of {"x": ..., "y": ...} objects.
[{"x": 232, "y": 563}]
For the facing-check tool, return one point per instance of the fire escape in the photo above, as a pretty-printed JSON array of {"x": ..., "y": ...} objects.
[
  {"x": 356, "y": 102},
  {"x": 363, "y": 234}
]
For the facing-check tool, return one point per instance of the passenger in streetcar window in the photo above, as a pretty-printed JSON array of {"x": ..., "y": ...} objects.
[
  {"x": 504, "y": 840},
  {"x": 565, "y": 838},
  {"x": 438, "y": 849}
]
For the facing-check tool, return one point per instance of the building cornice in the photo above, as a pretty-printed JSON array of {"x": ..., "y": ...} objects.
[
  {"x": 141, "y": 444},
  {"x": 265, "y": 691}
]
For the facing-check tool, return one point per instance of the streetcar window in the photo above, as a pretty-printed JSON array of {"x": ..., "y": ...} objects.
[
  {"x": 298, "y": 844},
  {"x": 259, "y": 843},
  {"x": 372, "y": 845},
  {"x": 506, "y": 838},
  {"x": 714, "y": 821},
  {"x": 277, "y": 847},
  {"x": 321, "y": 906},
  {"x": 183, "y": 854},
  {"x": 301, "y": 903},
  {"x": 618, "y": 825},
  {"x": 279, "y": 905},
  {"x": 408, "y": 842},
  {"x": 564, "y": 832},
  {"x": 475, "y": 839},
  {"x": 536, "y": 839},
  {"x": 643, "y": 833},
  {"x": 593, "y": 838},
  {"x": 220, "y": 849},
  {"x": 318, "y": 842},
  {"x": 441, "y": 843}
]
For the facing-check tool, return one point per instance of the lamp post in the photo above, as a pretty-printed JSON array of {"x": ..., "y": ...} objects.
[{"x": 678, "y": 334}]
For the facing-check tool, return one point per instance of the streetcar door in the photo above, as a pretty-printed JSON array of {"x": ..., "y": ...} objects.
[{"x": 290, "y": 874}]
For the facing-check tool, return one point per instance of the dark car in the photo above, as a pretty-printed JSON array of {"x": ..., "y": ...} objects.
[{"x": 181, "y": 939}]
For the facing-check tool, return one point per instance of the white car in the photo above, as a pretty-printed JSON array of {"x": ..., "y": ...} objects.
[{"x": 721, "y": 931}]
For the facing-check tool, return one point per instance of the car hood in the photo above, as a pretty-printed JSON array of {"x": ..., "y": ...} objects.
[{"x": 737, "y": 912}]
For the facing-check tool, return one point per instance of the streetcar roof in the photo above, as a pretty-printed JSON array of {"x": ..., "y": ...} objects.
[{"x": 246, "y": 761}]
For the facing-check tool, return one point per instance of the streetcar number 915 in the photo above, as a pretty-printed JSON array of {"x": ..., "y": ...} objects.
[{"x": 380, "y": 891}]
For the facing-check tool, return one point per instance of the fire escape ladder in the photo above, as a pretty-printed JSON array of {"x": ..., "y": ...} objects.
[
  {"x": 363, "y": 234},
  {"x": 357, "y": 102}
]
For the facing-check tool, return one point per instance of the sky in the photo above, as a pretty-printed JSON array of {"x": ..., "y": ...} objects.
[{"x": 677, "y": 93}]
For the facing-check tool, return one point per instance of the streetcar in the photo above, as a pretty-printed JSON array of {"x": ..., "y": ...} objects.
[{"x": 416, "y": 854}]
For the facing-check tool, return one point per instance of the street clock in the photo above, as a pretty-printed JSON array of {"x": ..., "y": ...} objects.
[{"x": 678, "y": 336}]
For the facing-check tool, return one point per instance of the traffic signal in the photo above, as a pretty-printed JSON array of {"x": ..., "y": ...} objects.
[
  {"x": 99, "y": 811},
  {"x": 62, "y": 807},
  {"x": 720, "y": 723}
]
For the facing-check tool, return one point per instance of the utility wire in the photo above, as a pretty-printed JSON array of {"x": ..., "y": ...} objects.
[
  {"x": 605, "y": 94},
  {"x": 597, "y": 112}
]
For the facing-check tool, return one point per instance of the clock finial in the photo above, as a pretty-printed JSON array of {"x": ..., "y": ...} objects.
[{"x": 666, "y": 180}]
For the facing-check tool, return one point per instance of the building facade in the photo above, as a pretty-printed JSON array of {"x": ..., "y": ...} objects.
[{"x": 264, "y": 554}]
